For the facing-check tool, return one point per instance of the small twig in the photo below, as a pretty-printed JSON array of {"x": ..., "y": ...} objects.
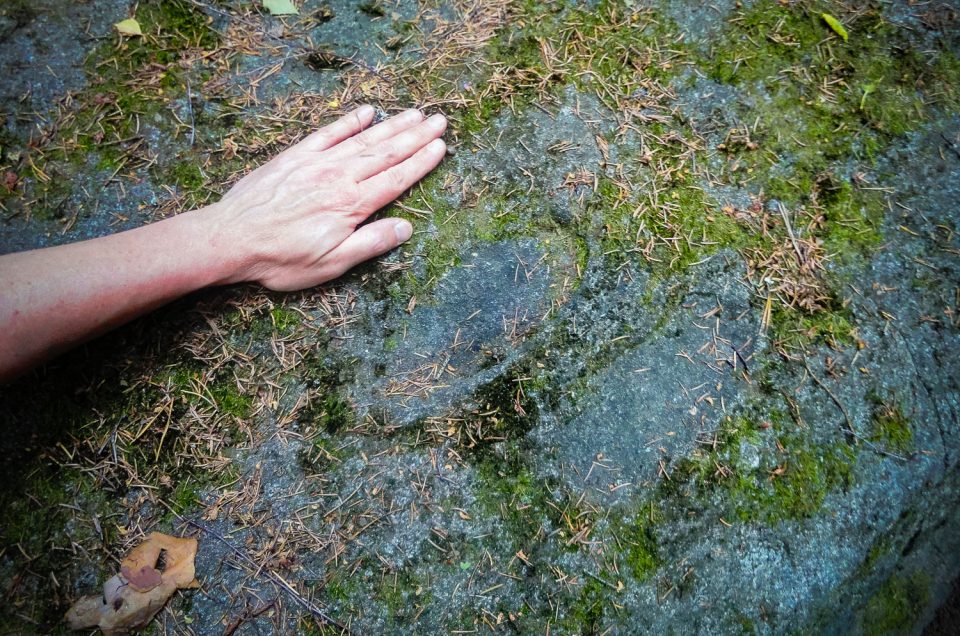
[
  {"x": 193, "y": 130},
  {"x": 952, "y": 145},
  {"x": 849, "y": 429},
  {"x": 248, "y": 614},
  {"x": 599, "y": 580},
  {"x": 308, "y": 605},
  {"x": 793, "y": 239}
]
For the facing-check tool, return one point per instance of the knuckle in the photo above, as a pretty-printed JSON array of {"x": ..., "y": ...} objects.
[
  {"x": 322, "y": 137},
  {"x": 388, "y": 150},
  {"x": 397, "y": 179},
  {"x": 354, "y": 204},
  {"x": 328, "y": 174},
  {"x": 362, "y": 142}
]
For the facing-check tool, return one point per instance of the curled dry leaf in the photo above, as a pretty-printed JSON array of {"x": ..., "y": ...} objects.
[{"x": 132, "y": 597}]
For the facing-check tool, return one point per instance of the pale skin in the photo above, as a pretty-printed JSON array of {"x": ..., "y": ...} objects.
[{"x": 291, "y": 224}]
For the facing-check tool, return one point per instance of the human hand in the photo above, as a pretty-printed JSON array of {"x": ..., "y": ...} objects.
[{"x": 295, "y": 219}]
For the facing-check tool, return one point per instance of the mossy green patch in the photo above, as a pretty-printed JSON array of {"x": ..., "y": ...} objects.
[
  {"x": 816, "y": 109},
  {"x": 229, "y": 398},
  {"x": 507, "y": 488},
  {"x": 403, "y": 595},
  {"x": 333, "y": 413},
  {"x": 186, "y": 176},
  {"x": 21, "y": 12},
  {"x": 322, "y": 451},
  {"x": 285, "y": 320},
  {"x": 897, "y": 606},
  {"x": 585, "y": 613},
  {"x": 52, "y": 512},
  {"x": 763, "y": 470},
  {"x": 495, "y": 439},
  {"x": 795, "y": 329},
  {"x": 641, "y": 551},
  {"x": 133, "y": 81},
  {"x": 796, "y": 488},
  {"x": 329, "y": 414},
  {"x": 882, "y": 547},
  {"x": 891, "y": 428}
]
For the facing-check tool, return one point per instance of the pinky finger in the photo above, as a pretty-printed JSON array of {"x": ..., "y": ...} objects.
[{"x": 382, "y": 188}]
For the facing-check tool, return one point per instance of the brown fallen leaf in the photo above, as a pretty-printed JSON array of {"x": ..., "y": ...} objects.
[{"x": 131, "y": 598}]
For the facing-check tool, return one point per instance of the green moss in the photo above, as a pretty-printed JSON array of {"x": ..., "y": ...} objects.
[
  {"x": 285, "y": 321},
  {"x": 883, "y": 76},
  {"x": 331, "y": 411},
  {"x": 882, "y": 547},
  {"x": 816, "y": 104},
  {"x": 641, "y": 552},
  {"x": 766, "y": 39},
  {"x": 403, "y": 595},
  {"x": 810, "y": 473},
  {"x": 106, "y": 119},
  {"x": 610, "y": 41},
  {"x": 743, "y": 624},
  {"x": 185, "y": 495},
  {"x": 439, "y": 250},
  {"x": 897, "y": 606},
  {"x": 797, "y": 329},
  {"x": 186, "y": 176},
  {"x": 790, "y": 480},
  {"x": 30, "y": 521},
  {"x": 322, "y": 451},
  {"x": 853, "y": 217},
  {"x": 21, "y": 12},
  {"x": 392, "y": 342},
  {"x": 50, "y": 513},
  {"x": 340, "y": 587},
  {"x": 229, "y": 399},
  {"x": 516, "y": 46},
  {"x": 890, "y": 427},
  {"x": 373, "y": 8},
  {"x": 507, "y": 488},
  {"x": 585, "y": 613},
  {"x": 506, "y": 411},
  {"x": 334, "y": 413}
]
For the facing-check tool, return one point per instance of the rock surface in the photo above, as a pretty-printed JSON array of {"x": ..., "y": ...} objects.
[{"x": 672, "y": 350}]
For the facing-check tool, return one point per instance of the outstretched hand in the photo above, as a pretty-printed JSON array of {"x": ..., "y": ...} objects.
[
  {"x": 295, "y": 222},
  {"x": 297, "y": 219}
]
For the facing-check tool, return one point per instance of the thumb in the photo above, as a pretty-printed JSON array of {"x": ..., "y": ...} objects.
[{"x": 368, "y": 241}]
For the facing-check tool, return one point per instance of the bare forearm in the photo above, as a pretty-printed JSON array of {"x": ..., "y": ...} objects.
[{"x": 53, "y": 298}]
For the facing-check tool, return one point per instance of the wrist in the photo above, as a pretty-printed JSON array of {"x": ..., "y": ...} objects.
[{"x": 222, "y": 255}]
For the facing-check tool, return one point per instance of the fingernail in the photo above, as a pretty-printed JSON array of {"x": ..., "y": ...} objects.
[
  {"x": 437, "y": 121},
  {"x": 365, "y": 110},
  {"x": 404, "y": 231}
]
